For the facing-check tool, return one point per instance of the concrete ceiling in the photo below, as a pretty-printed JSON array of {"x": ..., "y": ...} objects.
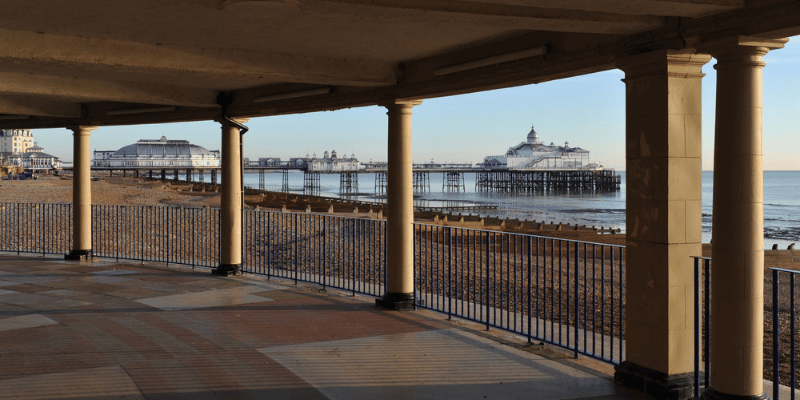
[{"x": 100, "y": 62}]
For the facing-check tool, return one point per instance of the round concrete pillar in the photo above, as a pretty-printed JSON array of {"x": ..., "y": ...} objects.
[
  {"x": 230, "y": 202},
  {"x": 81, "y": 194},
  {"x": 400, "y": 202},
  {"x": 737, "y": 271}
]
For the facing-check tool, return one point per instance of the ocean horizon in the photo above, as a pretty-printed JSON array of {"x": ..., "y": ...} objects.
[{"x": 600, "y": 209}]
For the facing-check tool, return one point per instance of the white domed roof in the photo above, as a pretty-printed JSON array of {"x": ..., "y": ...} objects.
[
  {"x": 533, "y": 137},
  {"x": 162, "y": 147}
]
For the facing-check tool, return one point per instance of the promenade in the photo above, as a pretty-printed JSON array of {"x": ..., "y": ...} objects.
[{"x": 104, "y": 329}]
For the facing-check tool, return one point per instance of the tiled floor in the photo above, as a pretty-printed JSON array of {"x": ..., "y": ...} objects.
[{"x": 103, "y": 330}]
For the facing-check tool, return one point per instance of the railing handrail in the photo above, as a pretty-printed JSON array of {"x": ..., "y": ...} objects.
[{"x": 523, "y": 235}]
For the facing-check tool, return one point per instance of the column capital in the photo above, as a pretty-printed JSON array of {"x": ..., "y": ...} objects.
[
  {"x": 400, "y": 104},
  {"x": 227, "y": 124},
  {"x": 672, "y": 63},
  {"x": 741, "y": 48},
  {"x": 82, "y": 129}
]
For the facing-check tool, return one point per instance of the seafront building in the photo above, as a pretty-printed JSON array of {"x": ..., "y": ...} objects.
[
  {"x": 533, "y": 154},
  {"x": 232, "y": 60},
  {"x": 157, "y": 154},
  {"x": 18, "y": 149},
  {"x": 15, "y": 141}
]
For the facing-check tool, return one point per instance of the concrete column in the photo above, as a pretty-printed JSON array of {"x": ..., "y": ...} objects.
[
  {"x": 664, "y": 216},
  {"x": 400, "y": 202},
  {"x": 230, "y": 262},
  {"x": 737, "y": 269},
  {"x": 81, "y": 194}
]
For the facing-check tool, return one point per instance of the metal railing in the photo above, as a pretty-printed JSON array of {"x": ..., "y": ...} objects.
[
  {"x": 341, "y": 252},
  {"x": 564, "y": 292},
  {"x": 780, "y": 333},
  {"x": 36, "y": 228},
  {"x": 177, "y": 235},
  {"x": 558, "y": 291}
]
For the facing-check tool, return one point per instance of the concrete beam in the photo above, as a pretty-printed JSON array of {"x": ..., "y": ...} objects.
[
  {"x": 223, "y": 69},
  {"x": 38, "y": 106},
  {"x": 486, "y": 14},
  {"x": 104, "y": 90}
]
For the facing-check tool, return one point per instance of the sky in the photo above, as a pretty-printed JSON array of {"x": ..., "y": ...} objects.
[{"x": 587, "y": 111}]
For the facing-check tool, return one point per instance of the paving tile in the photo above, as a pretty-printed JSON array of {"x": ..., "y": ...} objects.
[
  {"x": 22, "y": 299},
  {"x": 432, "y": 364},
  {"x": 24, "y": 322},
  {"x": 62, "y": 293},
  {"x": 27, "y": 288},
  {"x": 115, "y": 272},
  {"x": 105, "y": 279},
  {"x": 101, "y": 383},
  {"x": 207, "y": 299},
  {"x": 168, "y": 379}
]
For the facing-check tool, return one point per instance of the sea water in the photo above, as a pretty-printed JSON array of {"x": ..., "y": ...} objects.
[{"x": 781, "y": 201}]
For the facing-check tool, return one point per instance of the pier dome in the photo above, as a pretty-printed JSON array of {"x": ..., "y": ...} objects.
[
  {"x": 533, "y": 137},
  {"x": 161, "y": 148},
  {"x": 157, "y": 153}
]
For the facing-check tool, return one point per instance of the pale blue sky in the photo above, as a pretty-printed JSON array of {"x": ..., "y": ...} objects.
[{"x": 587, "y": 111}]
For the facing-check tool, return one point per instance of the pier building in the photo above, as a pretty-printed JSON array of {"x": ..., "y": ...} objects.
[
  {"x": 330, "y": 162},
  {"x": 159, "y": 153},
  {"x": 534, "y": 154},
  {"x": 220, "y": 61}
]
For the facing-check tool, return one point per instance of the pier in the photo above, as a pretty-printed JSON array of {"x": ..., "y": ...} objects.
[
  {"x": 487, "y": 180},
  {"x": 506, "y": 181}
]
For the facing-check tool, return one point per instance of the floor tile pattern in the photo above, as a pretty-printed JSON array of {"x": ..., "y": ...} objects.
[{"x": 99, "y": 330}]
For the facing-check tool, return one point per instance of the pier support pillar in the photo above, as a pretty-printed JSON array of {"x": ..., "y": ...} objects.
[
  {"x": 400, "y": 201},
  {"x": 664, "y": 216},
  {"x": 81, "y": 194},
  {"x": 230, "y": 228},
  {"x": 737, "y": 270}
]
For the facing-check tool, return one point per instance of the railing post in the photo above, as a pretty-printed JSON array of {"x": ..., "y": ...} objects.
[
  {"x": 487, "y": 292},
  {"x": 776, "y": 355},
  {"x": 577, "y": 298},
  {"x": 696, "y": 327}
]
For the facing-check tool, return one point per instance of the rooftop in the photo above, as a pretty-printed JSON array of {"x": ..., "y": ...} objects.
[{"x": 127, "y": 330}]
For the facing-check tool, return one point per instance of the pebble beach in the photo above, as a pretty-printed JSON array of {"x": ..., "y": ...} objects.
[{"x": 105, "y": 190}]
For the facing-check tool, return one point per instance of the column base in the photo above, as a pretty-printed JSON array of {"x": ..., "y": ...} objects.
[
  {"x": 78, "y": 255},
  {"x": 711, "y": 394},
  {"x": 396, "y": 301},
  {"x": 227, "y": 270},
  {"x": 654, "y": 383}
]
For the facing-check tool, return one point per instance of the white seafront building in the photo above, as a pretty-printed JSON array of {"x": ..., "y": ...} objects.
[
  {"x": 533, "y": 154},
  {"x": 331, "y": 162},
  {"x": 18, "y": 149},
  {"x": 161, "y": 153}
]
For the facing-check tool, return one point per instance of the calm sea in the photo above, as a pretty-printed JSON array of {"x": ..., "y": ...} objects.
[{"x": 781, "y": 202}]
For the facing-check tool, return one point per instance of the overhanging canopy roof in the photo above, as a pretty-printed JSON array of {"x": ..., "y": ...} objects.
[{"x": 99, "y": 62}]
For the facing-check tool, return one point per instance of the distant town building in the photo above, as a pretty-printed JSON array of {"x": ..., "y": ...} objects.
[
  {"x": 331, "y": 162},
  {"x": 18, "y": 149},
  {"x": 533, "y": 154},
  {"x": 161, "y": 153},
  {"x": 35, "y": 159},
  {"x": 15, "y": 141}
]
